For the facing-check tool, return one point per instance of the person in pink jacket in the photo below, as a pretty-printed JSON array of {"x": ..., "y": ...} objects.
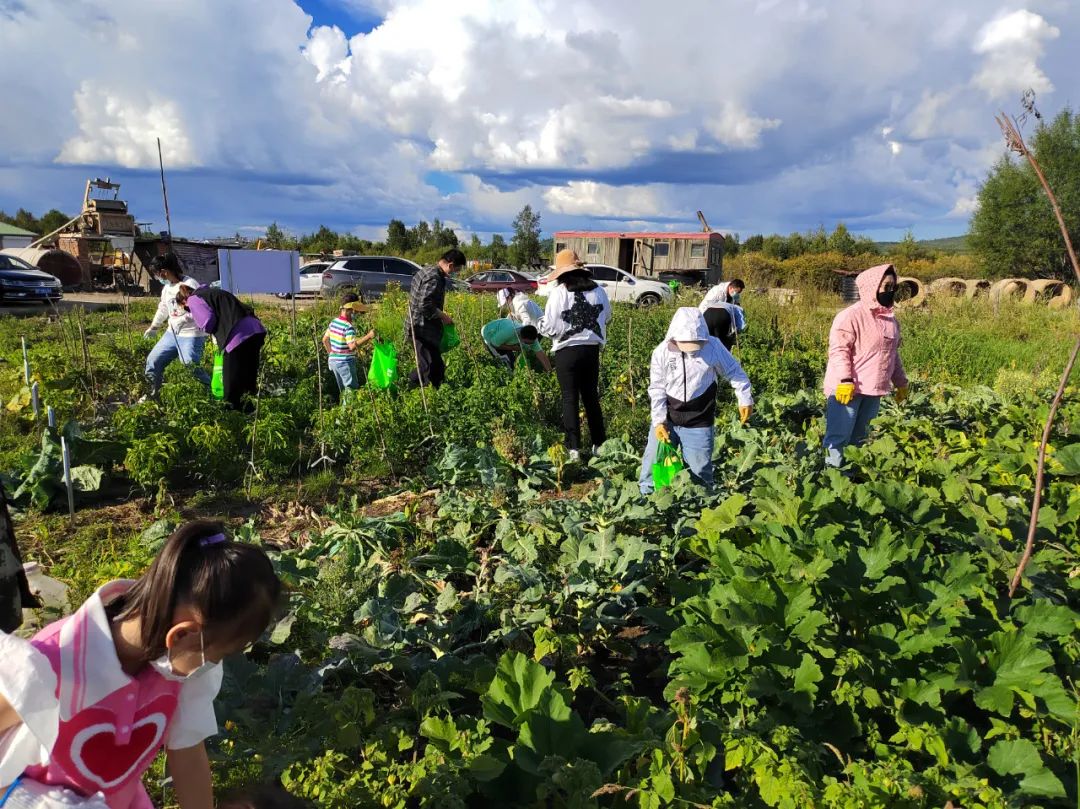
[{"x": 864, "y": 362}]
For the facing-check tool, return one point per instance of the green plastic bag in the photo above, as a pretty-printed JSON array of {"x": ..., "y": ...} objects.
[
  {"x": 528, "y": 359},
  {"x": 217, "y": 383},
  {"x": 450, "y": 338},
  {"x": 384, "y": 366},
  {"x": 668, "y": 464}
]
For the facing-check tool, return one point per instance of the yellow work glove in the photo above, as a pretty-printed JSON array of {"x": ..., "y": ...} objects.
[
  {"x": 900, "y": 393},
  {"x": 845, "y": 392},
  {"x": 744, "y": 413},
  {"x": 662, "y": 434}
]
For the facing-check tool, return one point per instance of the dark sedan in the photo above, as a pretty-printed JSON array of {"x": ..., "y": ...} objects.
[
  {"x": 20, "y": 281},
  {"x": 494, "y": 280}
]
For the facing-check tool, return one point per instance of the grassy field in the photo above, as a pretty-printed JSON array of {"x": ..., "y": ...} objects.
[{"x": 475, "y": 621}]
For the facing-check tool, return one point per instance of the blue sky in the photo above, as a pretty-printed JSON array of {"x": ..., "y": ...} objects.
[
  {"x": 350, "y": 18},
  {"x": 605, "y": 114}
]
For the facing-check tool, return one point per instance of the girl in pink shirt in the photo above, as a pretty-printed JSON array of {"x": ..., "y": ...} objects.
[
  {"x": 88, "y": 702},
  {"x": 864, "y": 362}
]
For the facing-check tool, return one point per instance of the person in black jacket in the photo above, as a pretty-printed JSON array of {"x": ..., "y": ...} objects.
[
  {"x": 237, "y": 332},
  {"x": 426, "y": 318},
  {"x": 15, "y": 595}
]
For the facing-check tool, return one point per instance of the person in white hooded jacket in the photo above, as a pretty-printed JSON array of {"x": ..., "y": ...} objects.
[
  {"x": 182, "y": 339},
  {"x": 723, "y": 315},
  {"x": 683, "y": 378},
  {"x": 519, "y": 306}
]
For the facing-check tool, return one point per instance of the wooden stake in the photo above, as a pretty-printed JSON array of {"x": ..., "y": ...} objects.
[
  {"x": 419, "y": 376},
  {"x": 379, "y": 427},
  {"x": 164, "y": 193},
  {"x": 67, "y": 480},
  {"x": 318, "y": 377}
]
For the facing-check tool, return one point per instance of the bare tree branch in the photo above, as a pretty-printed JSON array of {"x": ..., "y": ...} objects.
[{"x": 1015, "y": 141}]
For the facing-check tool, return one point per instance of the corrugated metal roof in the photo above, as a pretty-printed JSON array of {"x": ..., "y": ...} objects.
[
  {"x": 11, "y": 230},
  {"x": 589, "y": 234}
]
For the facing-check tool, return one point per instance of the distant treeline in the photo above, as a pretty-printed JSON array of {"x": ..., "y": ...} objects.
[{"x": 47, "y": 223}]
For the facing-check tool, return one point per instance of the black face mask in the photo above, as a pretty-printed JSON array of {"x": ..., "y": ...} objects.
[{"x": 887, "y": 298}]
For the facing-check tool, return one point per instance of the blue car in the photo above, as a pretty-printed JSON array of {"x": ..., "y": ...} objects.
[{"x": 20, "y": 281}]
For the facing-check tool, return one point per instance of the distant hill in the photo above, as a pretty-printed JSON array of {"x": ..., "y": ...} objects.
[{"x": 948, "y": 244}]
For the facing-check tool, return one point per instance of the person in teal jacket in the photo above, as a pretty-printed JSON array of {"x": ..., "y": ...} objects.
[{"x": 506, "y": 339}]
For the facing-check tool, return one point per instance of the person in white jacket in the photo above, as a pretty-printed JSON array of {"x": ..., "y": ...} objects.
[
  {"x": 181, "y": 338},
  {"x": 683, "y": 379},
  {"x": 520, "y": 307},
  {"x": 723, "y": 315},
  {"x": 575, "y": 318}
]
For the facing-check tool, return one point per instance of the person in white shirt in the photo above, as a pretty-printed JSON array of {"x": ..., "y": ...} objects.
[
  {"x": 683, "y": 378},
  {"x": 181, "y": 339},
  {"x": 576, "y": 319},
  {"x": 723, "y": 315},
  {"x": 520, "y": 307}
]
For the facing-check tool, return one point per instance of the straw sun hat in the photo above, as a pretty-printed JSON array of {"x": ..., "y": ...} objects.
[{"x": 565, "y": 261}]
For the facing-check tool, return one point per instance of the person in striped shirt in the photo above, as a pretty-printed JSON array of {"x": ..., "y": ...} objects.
[{"x": 341, "y": 344}]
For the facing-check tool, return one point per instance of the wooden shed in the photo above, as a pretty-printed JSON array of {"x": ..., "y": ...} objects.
[{"x": 688, "y": 257}]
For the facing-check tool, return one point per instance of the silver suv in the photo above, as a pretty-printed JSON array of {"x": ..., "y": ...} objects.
[{"x": 368, "y": 275}]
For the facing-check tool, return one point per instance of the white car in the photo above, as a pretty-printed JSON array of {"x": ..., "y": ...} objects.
[
  {"x": 311, "y": 279},
  {"x": 621, "y": 286}
]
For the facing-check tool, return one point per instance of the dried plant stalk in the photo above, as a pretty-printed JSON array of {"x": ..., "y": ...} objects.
[{"x": 1015, "y": 141}]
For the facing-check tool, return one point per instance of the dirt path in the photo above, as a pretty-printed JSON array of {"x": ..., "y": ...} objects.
[{"x": 101, "y": 301}]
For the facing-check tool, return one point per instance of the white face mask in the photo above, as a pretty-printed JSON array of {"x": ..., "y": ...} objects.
[{"x": 163, "y": 665}]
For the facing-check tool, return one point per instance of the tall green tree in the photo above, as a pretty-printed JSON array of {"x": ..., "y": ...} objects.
[
  {"x": 443, "y": 235},
  {"x": 753, "y": 244},
  {"x": 497, "y": 251},
  {"x": 818, "y": 241},
  {"x": 421, "y": 235},
  {"x": 1014, "y": 231},
  {"x": 525, "y": 246},
  {"x": 397, "y": 237},
  {"x": 909, "y": 248},
  {"x": 841, "y": 240},
  {"x": 275, "y": 238},
  {"x": 51, "y": 220}
]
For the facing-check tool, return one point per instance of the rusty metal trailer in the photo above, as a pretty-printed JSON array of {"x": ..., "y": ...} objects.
[{"x": 695, "y": 257}]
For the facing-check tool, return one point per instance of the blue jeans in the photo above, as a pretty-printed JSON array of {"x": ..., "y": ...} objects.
[
  {"x": 189, "y": 350},
  {"x": 847, "y": 424},
  {"x": 346, "y": 373},
  {"x": 697, "y": 450}
]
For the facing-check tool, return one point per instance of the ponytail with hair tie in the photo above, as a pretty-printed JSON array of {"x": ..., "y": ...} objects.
[{"x": 234, "y": 591}]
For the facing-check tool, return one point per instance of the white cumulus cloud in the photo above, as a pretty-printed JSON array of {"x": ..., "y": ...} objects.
[
  {"x": 1012, "y": 44},
  {"x": 765, "y": 115},
  {"x": 596, "y": 200},
  {"x": 122, "y": 129}
]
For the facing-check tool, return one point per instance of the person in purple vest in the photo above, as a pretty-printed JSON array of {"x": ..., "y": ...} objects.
[{"x": 237, "y": 332}]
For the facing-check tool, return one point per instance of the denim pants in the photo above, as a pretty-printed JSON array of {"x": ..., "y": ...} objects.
[
  {"x": 847, "y": 424},
  {"x": 189, "y": 350},
  {"x": 697, "y": 451},
  {"x": 346, "y": 373}
]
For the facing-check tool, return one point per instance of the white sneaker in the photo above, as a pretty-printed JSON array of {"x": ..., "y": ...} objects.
[
  {"x": 596, "y": 450},
  {"x": 574, "y": 455},
  {"x": 142, "y": 400}
]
